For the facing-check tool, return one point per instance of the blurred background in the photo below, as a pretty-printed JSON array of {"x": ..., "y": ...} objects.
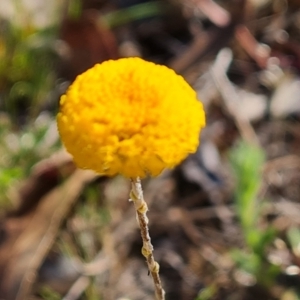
[{"x": 224, "y": 224}]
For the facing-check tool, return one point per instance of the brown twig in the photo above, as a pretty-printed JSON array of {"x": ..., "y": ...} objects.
[
  {"x": 229, "y": 95},
  {"x": 141, "y": 207},
  {"x": 213, "y": 11},
  {"x": 39, "y": 234},
  {"x": 77, "y": 288},
  {"x": 259, "y": 53}
]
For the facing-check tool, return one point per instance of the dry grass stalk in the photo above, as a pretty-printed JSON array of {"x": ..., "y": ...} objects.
[{"x": 141, "y": 208}]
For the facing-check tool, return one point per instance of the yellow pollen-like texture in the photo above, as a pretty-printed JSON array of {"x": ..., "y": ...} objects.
[{"x": 130, "y": 117}]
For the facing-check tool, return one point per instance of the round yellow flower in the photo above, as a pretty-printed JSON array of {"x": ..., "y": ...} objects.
[{"x": 130, "y": 116}]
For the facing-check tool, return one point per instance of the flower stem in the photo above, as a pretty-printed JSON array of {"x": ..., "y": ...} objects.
[{"x": 141, "y": 207}]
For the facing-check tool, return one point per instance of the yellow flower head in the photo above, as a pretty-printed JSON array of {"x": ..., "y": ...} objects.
[{"x": 130, "y": 116}]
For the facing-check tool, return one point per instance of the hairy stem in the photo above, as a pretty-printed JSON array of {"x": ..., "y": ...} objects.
[{"x": 141, "y": 208}]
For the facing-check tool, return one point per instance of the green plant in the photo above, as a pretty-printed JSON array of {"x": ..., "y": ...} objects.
[
  {"x": 247, "y": 161},
  {"x": 22, "y": 149},
  {"x": 48, "y": 294},
  {"x": 207, "y": 293},
  {"x": 26, "y": 68},
  {"x": 133, "y": 13}
]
